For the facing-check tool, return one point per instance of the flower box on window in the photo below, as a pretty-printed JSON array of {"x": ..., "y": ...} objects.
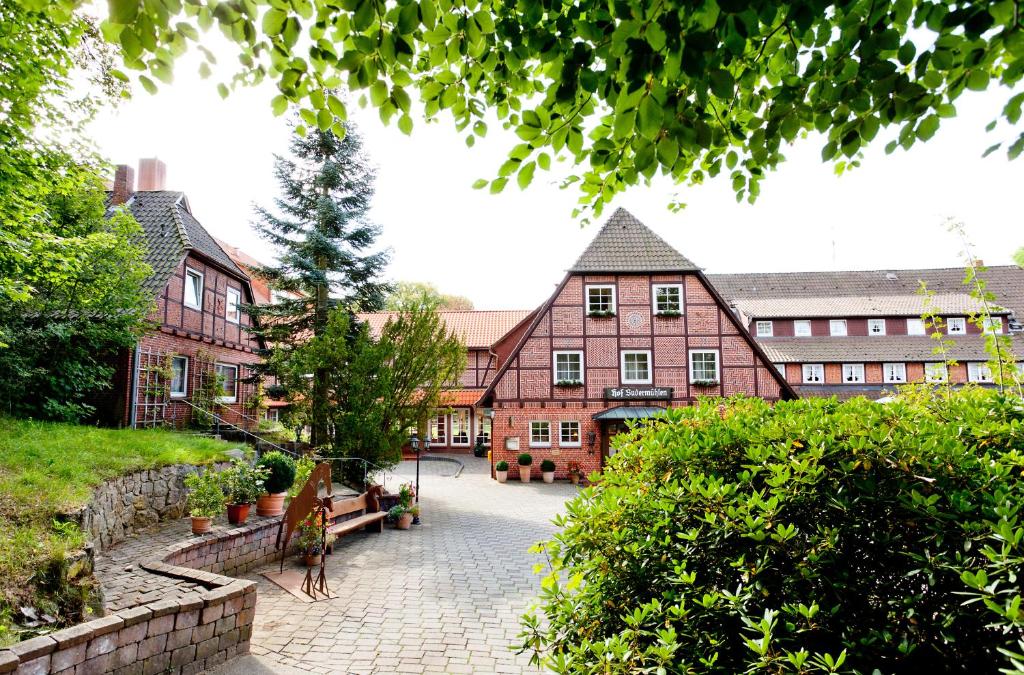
[
  {"x": 669, "y": 313},
  {"x": 600, "y": 314},
  {"x": 705, "y": 383},
  {"x": 569, "y": 383}
]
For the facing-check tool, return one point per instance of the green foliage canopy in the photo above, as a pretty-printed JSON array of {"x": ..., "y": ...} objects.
[
  {"x": 405, "y": 292},
  {"x": 623, "y": 90},
  {"x": 808, "y": 536}
]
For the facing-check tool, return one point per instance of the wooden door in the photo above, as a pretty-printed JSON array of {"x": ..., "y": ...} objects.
[{"x": 608, "y": 430}]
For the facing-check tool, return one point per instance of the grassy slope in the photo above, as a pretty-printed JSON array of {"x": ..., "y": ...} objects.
[{"x": 47, "y": 469}]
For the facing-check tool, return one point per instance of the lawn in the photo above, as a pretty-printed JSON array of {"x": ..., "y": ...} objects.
[{"x": 48, "y": 469}]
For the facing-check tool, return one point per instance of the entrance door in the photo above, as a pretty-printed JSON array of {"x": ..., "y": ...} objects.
[{"x": 609, "y": 429}]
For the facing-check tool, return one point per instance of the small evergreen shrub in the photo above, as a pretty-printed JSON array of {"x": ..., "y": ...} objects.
[
  {"x": 205, "y": 496},
  {"x": 808, "y": 536},
  {"x": 547, "y": 465},
  {"x": 281, "y": 470},
  {"x": 525, "y": 459},
  {"x": 501, "y": 466}
]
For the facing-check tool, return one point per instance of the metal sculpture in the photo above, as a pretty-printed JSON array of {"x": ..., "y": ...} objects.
[{"x": 304, "y": 504}]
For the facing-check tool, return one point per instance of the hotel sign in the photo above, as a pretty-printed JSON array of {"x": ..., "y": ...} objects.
[{"x": 640, "y": 393}]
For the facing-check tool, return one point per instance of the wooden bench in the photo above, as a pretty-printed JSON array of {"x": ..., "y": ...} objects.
[{"x": 371, "y": 520}]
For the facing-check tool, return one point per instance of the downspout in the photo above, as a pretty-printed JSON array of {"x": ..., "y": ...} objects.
[{"x": 134, "y": 395}]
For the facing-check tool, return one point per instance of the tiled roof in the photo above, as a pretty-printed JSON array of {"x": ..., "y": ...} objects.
[
  {"x": 478, "y": 329},
  {"x": 624, "y": 244},
  {"x": 860, "y": 293},
  {"x": 894, "y": 348},
  {"x": 171, "y": 231},
  {"x": 461, "y": 397}
]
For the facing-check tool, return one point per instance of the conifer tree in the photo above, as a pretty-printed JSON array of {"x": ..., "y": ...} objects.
[{"x": 326, "y": 243}]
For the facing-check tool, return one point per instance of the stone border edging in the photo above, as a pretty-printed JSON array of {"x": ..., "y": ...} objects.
[{"x": 451, "y": 460}]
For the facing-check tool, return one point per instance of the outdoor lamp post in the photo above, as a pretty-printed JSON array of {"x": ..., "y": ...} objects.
[{"x": 415, "y": 443}]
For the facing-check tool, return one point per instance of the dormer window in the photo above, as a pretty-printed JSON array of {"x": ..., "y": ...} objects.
[
  {"x": 979, "y": 372},
  {"x": 876, "y": 326},
  {"x": 956, "y": 325},
  {"x": 915, "y": 327},
  {"x": 853, "y": 373},
  {"x": 802, "y": 328},
  {"x": 765, "y": 329},
  {"x": 894, "y": 373},
  {"x": 992, "y": 325},
  {"x": 935, "y": 372},
  {"x": 601, "y": 300},
  {"x": 837, "y": 327},
  {"x": 814, "y": 373},
  {"x": 193, "y": 289}
]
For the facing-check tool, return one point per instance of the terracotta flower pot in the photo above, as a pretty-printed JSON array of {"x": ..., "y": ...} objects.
[
  {"x": 312, "y": 559},
  {"x": 404, "y": 521},
  {"x": 201, "y": 525},
  {"x": 549, "y": 476},
  {"x": 502, "y": 476},
  {"x": 237, "y": 513},
  {"x": 574, "y": 478},
  {"x": 524, "y": 474},
  {"x": 270, "y": 505}
]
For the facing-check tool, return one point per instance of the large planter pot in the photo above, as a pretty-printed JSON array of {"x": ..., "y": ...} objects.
[
  {"x": 312, "y": 559},
  {"x": 270, "y": 505},
  {"x": 524, "y": 474},
  {"x": 549, "y": 476},
  {"x": 201, "y": 525},
  {"x": 404, "y": 521},
  {"x": 238, "y": 513},
  {"x": 502, "y": 476}
]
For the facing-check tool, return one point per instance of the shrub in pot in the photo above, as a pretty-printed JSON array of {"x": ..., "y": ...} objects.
[
  {"x": 574, "y": 472},
  {"x": 525, "y": 460},
  {"x": 501, "y": 471},
  {"x": 547, "y": 470},
  {"x": 804, "y": 536},
  {"x": 243, "y": 484},
  {"x": 205, "y": 499},
  {"x": 280, "y": 477},
  {"x": 311, "y": 539},
  {"x": 402, "y": 513}
]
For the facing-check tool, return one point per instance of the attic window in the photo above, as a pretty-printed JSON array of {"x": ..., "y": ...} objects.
[
  {"x": 193, "y": 289},
  {"x": 601, "y": 300},
  {"x": 232, "y": 311}
]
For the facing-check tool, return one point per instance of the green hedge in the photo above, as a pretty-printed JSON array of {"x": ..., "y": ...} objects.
[{"x": 812, "y": 536}]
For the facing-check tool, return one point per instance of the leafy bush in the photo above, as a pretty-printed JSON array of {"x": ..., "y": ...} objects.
[
  {"x": 281, "y": 471},
  {"x": 547, "y": 465},
  {"x": 303, "y": 469},
  {"x": 525, "y": 459},
  {"x": 243, "y": 483},
  {"x": 809, "y": 536},
  {"x": 205, "y": 496},
  {"x": 501, "y": 466}
]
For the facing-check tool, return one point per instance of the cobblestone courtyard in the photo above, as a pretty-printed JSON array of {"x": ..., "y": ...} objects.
[{"x": 443, "y": 597}]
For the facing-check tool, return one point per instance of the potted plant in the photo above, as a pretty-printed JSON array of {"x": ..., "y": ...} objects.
[
  {"x": 205, "y": 499},
  {"x": 525, "y": 460},
  {"x": 574, "y": 472},
  {"x": 243, "y": 484},
  {"x": 547, "y": 470},
  {"x": 501, "y": 471},
  {"x": 280, "y": 476},
  {"x": 311, "y": 539},
  {"x": 404, "y": 511}
]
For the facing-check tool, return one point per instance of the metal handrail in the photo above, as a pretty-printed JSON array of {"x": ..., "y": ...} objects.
[
  {"x": 220, "y": 420},
  {"x": 377, "y": 469}
]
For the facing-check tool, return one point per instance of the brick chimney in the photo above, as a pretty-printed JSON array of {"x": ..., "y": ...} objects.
[
  {"x": 124, "y": 184},
  {"x": 152, "y": 174}
]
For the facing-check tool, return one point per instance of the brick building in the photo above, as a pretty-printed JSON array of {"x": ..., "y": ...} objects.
[
  {"x": 199, "y": 334},
  {"x": 860, "y": 333}
]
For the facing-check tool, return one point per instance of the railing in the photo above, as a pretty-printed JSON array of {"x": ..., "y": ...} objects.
[{"x": 220, "y": 421}]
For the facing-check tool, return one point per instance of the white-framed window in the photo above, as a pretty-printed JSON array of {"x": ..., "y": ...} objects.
[
  {"x": 956, "y": 325},
  {"x": 765, "y": 328},
  {"x": 193, "y": 288},
  {"x": 636, "y": 367},
  {"x": 814, "y": 373},
  {"x": 460, "y": 427},
  {"x": 439, "y": 429},
  {"x": 894, "y": 373},
  {"x": 568, "y": 367},
  {"x": 668, "y": 298},
  {"x": 876, "y": 326},
  {"x": 272, "y": 415},
  {"x": 232, "y": 311},
  {"x": 935, "y": 372},
  {"x": 601, "y": 299},
  {"x": 179, "y": 376},
  {"x": 540, "y": 434},
  {"x": 916, "y": 327},
  {"x": 483, "y": 428},
  {"x": 802, "y": 328},
  {"x": 569, "y": 434},
  {"x": 781, "y": 367},
  {"x": 979, "y": 372},
  {"x": 992, "y": 325},
  {"x": 228, "y": 375},
  {"x": 704, "y": 366},
  {"x": 853, "y": 373},
  {"x": 837, "y": 327}
]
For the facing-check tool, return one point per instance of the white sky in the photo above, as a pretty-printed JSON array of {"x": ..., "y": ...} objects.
[{"x": 509, "y": 250}]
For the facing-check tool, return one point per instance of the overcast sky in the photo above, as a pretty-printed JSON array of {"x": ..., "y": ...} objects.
[{"x": 509, "y": 250}]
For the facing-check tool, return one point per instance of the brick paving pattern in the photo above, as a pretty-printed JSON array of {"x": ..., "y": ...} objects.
[{"x": 443, "y": 597}]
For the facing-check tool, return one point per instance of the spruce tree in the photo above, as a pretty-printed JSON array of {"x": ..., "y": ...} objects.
[{"x": 320, "y": 227}]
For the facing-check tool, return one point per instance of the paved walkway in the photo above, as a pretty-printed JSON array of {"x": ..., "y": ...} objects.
[{"x": 443, "y": 597}]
